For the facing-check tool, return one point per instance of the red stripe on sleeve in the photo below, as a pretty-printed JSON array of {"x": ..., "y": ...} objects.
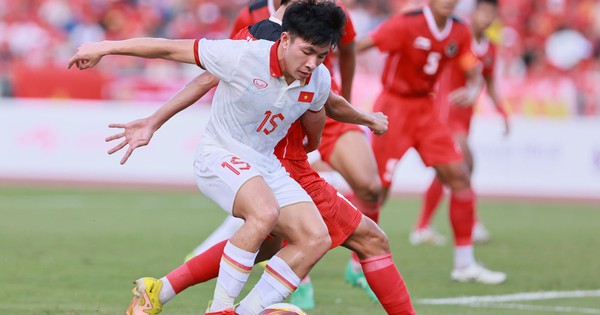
[{"x": 196, "y": 56}]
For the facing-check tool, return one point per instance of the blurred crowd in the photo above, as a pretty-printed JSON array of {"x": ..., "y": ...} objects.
[{"x": 550, "y": 46}]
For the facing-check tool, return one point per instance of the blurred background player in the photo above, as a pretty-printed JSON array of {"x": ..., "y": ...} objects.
[
  {"x": 344, "y": 147},
  {"x": 458, "y": 119},
  {"x": 431, "y": 38}
]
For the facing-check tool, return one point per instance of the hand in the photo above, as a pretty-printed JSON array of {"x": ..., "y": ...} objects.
[
  {"x": 462, "y": 97},
  {"x": 137, "y": 134},
  {"x": 88, "y": 55},
  {"x": 380, "y": 123}
]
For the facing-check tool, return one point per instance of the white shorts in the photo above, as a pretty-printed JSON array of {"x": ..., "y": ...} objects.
[{"x": 220, "y": 174}]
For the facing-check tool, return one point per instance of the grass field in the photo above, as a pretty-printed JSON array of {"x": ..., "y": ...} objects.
[{"x": 76, "y": 251}]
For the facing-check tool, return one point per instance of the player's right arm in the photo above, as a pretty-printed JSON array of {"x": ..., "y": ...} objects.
[
  {"x": 139, "y": 132},
  {"x": 89, "y": 54}
]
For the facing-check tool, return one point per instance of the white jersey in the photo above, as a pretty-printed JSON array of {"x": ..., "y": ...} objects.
[{"x": 253, "y": 106}]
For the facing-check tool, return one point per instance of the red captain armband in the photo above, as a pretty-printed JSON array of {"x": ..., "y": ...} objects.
[{"x": 196, "y": 56}]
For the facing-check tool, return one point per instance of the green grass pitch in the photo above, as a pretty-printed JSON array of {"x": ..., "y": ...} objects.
[{"x": 76, "y": 251}]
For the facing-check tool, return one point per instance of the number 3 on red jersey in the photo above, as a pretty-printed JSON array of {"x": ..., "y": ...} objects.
[
  {"x": 236, "y": 165},
  {"x": 433, "y": 63}
]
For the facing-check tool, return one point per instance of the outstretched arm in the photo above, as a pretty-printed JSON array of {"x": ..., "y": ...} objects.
[
  {"x": 347, "y": 63},
  {"x": 341, "y": 110},
  {"x": 491, "y": 88},
  {"x": 364, "y": 44},
  {"x": 313, "y": 123},
  {"x": 139, "y": 132},
  {"x": 89, "y": 54}
]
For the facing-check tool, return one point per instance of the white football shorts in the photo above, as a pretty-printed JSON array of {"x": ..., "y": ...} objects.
[{"x": 220, "y": 174}]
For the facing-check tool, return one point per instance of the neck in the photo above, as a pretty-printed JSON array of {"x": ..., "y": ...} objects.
[
  {"x": 288, "y": 78},
  {"x": 440, "y": 20},
  {"x": 280, "y": 12},
  {"x": 478, "y": 35}
]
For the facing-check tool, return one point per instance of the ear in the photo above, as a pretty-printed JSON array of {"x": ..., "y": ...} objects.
[{"x": 285, "y": 39}]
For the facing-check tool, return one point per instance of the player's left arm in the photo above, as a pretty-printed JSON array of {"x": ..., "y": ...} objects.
[
  {"x": 493, "y": 93},
  {"x": 469, "y": 62},
  {"x": 341, "y": 110},
  {"x": 89, "y": 54},
  {"x": 313, "y": 123},
  {"x": 347, "y": 67}
]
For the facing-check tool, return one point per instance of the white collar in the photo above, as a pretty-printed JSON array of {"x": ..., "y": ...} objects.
[
  {"x": 272, "y": 18},
  {"x": 433, "y": 26},
  {"x": 480, "y": 48}
]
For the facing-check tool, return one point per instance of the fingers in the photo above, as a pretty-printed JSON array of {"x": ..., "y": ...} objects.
[
  {"x": 117, "y": 125},
  {"x": 117, "y": 148},
  {"x": 127, "y": 155},
  {"x": 114, "y": 137}
]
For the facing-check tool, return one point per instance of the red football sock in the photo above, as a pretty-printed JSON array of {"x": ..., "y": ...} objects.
[
  {"x": 370, "y": 209},
  {"x": 199, "y": 269},
  {"x": 462, "y": 212},
  {"x": 387, "y": 284},
  {"x": 433, "y": 195}
]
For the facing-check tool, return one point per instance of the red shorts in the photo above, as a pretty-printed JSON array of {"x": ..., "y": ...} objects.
[
  {"x": 413, "y": 122},
  {"x": 340, "y": 216},
  {"x": 459, "y": 119},
  {"x": 332, "y": 132}
]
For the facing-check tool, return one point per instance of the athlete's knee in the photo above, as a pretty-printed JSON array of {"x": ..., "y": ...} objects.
[
  {"x": 369, "y": 190},
  {"x": 317, "y": 240},
  {"x": 265, "y": 220}
]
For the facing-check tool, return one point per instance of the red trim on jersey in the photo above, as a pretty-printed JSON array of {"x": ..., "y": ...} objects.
[
  {"x": 196, "y": 56},
  {"x": 274, "y": 61}
]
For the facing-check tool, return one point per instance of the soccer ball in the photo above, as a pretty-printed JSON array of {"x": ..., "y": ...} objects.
[{"x": 282, "y": 309}]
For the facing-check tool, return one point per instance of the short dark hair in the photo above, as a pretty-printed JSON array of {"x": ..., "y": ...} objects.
[
  {"x": 492, "y": 2},
  {"x": 317, "y": 22},
  {"x": 283, "y": 2}
]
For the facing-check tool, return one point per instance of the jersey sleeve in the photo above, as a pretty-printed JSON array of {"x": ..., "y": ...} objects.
[
  {"x": 243, "y": 20},
  {"x": 386, "y": 38},
  {"x": 219, "y": 57},
  {"x": 323, "y": 89}
]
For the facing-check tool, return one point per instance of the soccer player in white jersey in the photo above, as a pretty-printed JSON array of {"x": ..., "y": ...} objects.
[{"x": 264, "y": 88}]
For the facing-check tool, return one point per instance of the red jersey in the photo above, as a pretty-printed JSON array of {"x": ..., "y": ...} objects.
[
  {"x": 453, "y": 76},
  {"x": 418, "y": 50}
]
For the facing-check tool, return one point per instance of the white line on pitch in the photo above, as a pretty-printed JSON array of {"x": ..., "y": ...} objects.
[
  {"x": 526, "y": 307},
  {"x": 525, "y": 296}
]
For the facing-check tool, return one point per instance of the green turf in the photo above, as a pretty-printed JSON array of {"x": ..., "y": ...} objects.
[{"x": 76, "y": 251}]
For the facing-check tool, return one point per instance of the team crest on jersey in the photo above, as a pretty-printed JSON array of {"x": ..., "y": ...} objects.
[
  {"x": 423, "y": 43},
  {"x": 451, "y": 49},
  {"x": 260, "y": 84}
]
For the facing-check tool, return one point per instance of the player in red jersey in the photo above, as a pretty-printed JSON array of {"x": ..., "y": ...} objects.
[
  {"x": 343, "y": 146},
  {"x": 459, "y": 118},
  {"x": 429, "y": 39},
  {"x": 346, "y": 225}
]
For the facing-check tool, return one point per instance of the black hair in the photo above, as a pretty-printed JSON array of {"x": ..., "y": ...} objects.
[
  {"x": 317, "y": 22},
  {"x": 283, "y": 2},
  {"x": 492, "y": 2}
]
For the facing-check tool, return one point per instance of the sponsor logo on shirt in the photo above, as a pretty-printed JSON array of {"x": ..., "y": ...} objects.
[
  {"x": 260, "y": 84},
  {"x": 422, "y": 43}
]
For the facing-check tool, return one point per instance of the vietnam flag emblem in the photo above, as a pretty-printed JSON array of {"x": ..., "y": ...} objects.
[{"x": 306, "y": 97}]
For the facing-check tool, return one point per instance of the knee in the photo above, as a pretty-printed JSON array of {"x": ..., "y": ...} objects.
[
  {"x": 318, "y": 241},
  {"x": 265, "y": 220},
  {"x": 369, "y": 190}
]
